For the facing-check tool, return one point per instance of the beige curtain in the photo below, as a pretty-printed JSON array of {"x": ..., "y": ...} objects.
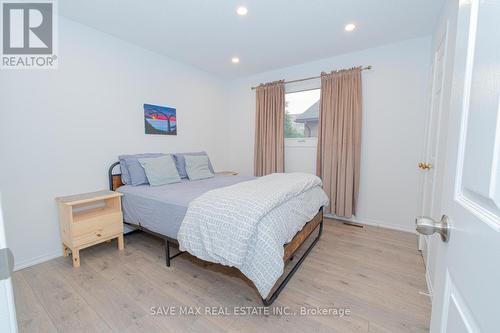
[
  {"x": 339, "y": 139},
  {"x": 269, "y": 122}
]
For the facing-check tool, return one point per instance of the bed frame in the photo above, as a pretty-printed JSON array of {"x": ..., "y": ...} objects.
[{"x": 290, "y": 248}]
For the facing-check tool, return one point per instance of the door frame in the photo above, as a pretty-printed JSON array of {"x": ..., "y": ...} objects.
[
  {"x": 424, "y": 241},
  {"x": 7, "y": 304}
]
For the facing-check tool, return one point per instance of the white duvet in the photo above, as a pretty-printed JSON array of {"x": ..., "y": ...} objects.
[{"x": 246, "y": 225}]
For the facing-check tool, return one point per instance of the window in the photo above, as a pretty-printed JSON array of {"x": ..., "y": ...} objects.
[{"x": 301, "y": 114}]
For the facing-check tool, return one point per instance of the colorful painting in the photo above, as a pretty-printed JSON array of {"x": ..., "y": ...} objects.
[{"x": 160, "y": 120}]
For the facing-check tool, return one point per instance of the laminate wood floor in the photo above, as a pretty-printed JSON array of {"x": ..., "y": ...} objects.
[{"x": 375, "y": 274}]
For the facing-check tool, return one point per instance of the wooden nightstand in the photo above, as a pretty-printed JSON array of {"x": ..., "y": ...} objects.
[
  {"x": 227, "y": 173},
  {"x": 88, "y": 219}
]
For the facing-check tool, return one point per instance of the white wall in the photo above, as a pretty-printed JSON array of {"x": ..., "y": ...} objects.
[
  {"x": 61, "y": 129},
  {"x": 394, "y": 101}
]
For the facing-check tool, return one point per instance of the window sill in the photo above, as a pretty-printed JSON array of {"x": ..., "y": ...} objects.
[{"x": 301, "y": 142}]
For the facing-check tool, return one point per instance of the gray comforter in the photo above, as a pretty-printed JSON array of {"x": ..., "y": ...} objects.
[{"x": 246, "y": 225}]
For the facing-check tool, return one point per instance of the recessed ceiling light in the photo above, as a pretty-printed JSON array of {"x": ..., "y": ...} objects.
[
  {"x": 235, "y": 60},
  {"x": 242, "y": 11},
  {"x": 350, "y": 27}
]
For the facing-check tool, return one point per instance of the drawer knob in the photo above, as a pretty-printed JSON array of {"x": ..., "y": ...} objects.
[{"x": 98, "y": 235}]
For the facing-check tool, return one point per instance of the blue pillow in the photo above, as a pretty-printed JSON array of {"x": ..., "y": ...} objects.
[
  {"x": 125, "y": 175},
  {"x": 135, "y": 171},
  {"x": 160, "y": 170},
  {"x": 124, "y": 171},
  {"x": 180, "y": 162}
]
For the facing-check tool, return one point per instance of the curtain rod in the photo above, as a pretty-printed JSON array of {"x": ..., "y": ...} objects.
[{"x": 314, "y": 77}]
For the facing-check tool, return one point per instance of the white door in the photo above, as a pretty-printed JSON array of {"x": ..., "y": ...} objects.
[
  {"x": 430, "y": 182},
  {"x": 467, "y": 290},
  {"x": 7, "y": 308},
  {"x": 433, "y": 127}
]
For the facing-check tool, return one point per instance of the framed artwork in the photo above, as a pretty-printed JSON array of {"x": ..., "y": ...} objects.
[{"x": 160, "y": 120}]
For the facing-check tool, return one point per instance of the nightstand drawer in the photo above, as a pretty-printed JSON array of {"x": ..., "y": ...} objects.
[{"x": 94, "y": 229}]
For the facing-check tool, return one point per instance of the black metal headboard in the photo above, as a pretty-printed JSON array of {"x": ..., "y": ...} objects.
[{"x": 115, "y": 180}]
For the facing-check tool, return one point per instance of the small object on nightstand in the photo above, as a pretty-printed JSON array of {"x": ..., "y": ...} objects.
[
  {"x": 88, "y": 219},
  {"x": 227, "y": 173}
]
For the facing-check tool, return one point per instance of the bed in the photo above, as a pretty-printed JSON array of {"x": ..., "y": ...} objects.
[{"x": 146, "y": 208}]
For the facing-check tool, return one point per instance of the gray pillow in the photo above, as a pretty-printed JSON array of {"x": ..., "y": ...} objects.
[
  {"x": 160, "y": 170},
  {"x": 136, "y": 171},
  {"x": 197, "y": 167},
  {"x": 125, "y": 174},
  {"x": 180, "y": 162}
]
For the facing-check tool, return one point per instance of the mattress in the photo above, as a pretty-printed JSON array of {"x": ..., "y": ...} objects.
[{"x": 161, "y": 209}]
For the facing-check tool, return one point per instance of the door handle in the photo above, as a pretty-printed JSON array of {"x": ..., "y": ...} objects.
[
  {"x": 424, "y": 166},
  {"x": 428, "y": 226}
]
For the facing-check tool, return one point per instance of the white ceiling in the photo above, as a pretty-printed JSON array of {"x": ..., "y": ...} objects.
[{"x": 274, "y": 34}]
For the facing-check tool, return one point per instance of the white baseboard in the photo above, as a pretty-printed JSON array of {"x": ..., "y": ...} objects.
[
  {"x": 421, "y": 240},
  {"x": 429, "y": 284},
  {"x": 423, "y": 245},
  {"x": 376, "y": 223},
  {"x": 37, "y": 260}
]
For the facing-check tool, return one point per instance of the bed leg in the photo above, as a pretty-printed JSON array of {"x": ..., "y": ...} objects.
[
  {"x": 270, "y": 300},
  {"x": 167, "y": 252}
]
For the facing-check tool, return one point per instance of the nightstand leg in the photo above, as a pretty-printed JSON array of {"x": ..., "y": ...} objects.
[
  {"x": 76, "y": 257},
  {"x": 65, "y": 250},
  {"x": 120, "y": 243}
]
